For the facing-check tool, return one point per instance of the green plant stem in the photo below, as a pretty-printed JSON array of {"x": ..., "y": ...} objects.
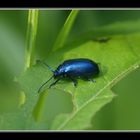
[
  {"x": 62, "y": 36},
  {"x": 31, "y": 37}
]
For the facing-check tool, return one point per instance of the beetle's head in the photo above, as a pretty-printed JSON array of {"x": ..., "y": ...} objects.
[{"x": 56, "y": 74}]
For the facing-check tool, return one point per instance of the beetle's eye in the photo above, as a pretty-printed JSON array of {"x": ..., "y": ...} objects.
[{"x": 56, "y": 74}]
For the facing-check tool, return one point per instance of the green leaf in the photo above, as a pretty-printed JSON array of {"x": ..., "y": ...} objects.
[
  {"x": 117, "y": 57},
  {"x": 76, "y": 120},
  {"x": 65, "y": 107}
]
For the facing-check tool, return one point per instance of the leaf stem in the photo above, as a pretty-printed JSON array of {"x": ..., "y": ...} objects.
[
  {"x": 62, "y": 36},
  {"x": 31, "y": 37}
]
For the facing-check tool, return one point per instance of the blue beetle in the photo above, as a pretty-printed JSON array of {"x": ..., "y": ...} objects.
[{"x": 73, "y": 69}]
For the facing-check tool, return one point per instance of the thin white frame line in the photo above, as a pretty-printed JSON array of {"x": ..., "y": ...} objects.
[{"x": 47, "y": 8}]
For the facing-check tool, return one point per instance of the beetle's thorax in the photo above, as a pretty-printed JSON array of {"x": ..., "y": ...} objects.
[
  {"x": 57, "y": 74},
  {"x": 60, "y": 71}
]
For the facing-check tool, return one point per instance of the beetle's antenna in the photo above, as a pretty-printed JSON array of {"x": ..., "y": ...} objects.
[
  {"x": 38, "y": 61},
  {"x": 48, "y": 66},
  {"x": 44, "y": 84}
]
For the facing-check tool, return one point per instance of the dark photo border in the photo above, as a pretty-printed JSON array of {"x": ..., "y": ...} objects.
[
  {"x": 75, "y": 135},
  {"x": 69, "y": 4}
]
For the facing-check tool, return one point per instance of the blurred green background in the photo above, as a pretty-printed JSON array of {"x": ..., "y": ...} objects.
[{"x": 122, "y": 113}]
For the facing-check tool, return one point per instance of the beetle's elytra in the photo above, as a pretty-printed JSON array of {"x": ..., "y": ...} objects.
[{"x": 73, "y": 69}]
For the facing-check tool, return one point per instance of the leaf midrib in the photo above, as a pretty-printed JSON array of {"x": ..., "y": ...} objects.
[{"x": 116, "y": 79}]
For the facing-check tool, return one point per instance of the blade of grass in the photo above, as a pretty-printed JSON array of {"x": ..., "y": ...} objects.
[
  {"x": 30, "y": 44},
  {"x": 31, "y": 37},
  {"x": 62, "y": 36}
]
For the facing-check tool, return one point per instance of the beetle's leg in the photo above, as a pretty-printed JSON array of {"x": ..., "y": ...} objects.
[
  {"x": 54, "y": 82},
  {"x": 92, "y": 80},
  {"x": 75, "y": 82},
  {"x": 44, "y": 84}
]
